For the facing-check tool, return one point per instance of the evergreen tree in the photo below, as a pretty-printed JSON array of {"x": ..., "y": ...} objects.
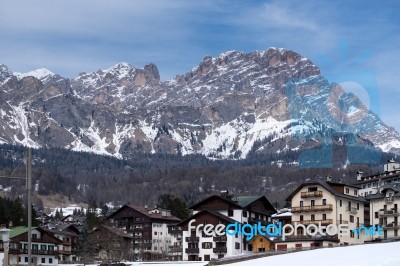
[
  {"x": 91, "y": 215},
  {"x": 176, "y": 205},
  {"x": 17, "y": 213}
]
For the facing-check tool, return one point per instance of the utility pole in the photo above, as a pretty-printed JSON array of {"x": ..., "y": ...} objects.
[{"x": 29, "y": 188}]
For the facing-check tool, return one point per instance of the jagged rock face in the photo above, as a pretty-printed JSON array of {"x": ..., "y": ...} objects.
[{"x": 220, "y": 108}]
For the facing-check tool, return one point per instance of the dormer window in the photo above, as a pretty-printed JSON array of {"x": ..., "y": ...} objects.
[
  {"x": 347, "y": 190},
  {"x": 355, "y": 192}
]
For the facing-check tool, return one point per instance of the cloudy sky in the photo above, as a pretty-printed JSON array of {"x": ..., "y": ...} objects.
[{"x": 356, "y": 44}]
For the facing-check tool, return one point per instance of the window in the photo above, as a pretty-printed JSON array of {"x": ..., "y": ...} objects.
[
  {"x": 312, "y": 217},
  {"x": 347, "y": 190},
  {"x": 312, "y": 189},
  {"x": 351, "y": 219},
  {"x": 312, "y": 202},
  {"x": 355, "y": 192},
  {"x": 237, "y": 245},
  {"x": 351, "y": 234},
  {"x": 19, "y": 259},
  {"x": 376, "y": 215},
  {"x": 230, "y": 213},
  {"x": 324, "y": 216},
  {"x": 244, "y": 214},
  {"x": 358, "y": 206},
  {"x": 26, "y": 259},
  {"x": 301, "y": 203},
  {"x": 34, "y": 236},
  {"x": 323, "y": 201},
  {"x": 301, "y": 217},
  {"x": 155, "y": 233},
  {"x": 349, "y": 205},
  {"x": 340, "y": 203},
  {"x": 206, "y": 245},
  {"x": 35, "y": 246},
  {"x": 50, "y": 261},
  {"x": 43, "y": 260}
]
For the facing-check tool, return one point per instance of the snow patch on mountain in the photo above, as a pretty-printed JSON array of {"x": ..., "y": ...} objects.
[{"x": 41, "y": 74}]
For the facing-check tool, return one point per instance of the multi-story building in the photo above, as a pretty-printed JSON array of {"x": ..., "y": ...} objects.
[
  {"x": 371, "y": 184},
  {"x": 69, "y": 236},
  {"x": 111, "y": 244},
  {"x": 175, "y": 249},
  {"x": 327, "y": 202},
  {"x": 222, "y": 209},
  {"x": 44, "y": 247},
  {"x": 148, "y": 227},
  {"x": 385, "y": 212}
]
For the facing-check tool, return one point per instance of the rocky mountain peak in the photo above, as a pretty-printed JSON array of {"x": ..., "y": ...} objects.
[{"x": 5, "y": 73}]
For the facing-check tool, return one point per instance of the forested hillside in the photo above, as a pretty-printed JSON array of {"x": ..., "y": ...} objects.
[{"x": 85, "y": 176}]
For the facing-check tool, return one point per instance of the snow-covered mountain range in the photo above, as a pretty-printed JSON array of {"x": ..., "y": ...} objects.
[{"x": 226, "y": 107}]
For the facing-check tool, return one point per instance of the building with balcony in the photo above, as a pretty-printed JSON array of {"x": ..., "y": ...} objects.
[
  {"x": 222, "y": 209},
  {"x": 326, "y": 202},
  {"x": 149, "y": 229},
  {"x": 111, "y": 244},
  {"x": 371, "y": 184},
  {"x": 44, "y": 247},
  {"x": 385, "y": 211}
]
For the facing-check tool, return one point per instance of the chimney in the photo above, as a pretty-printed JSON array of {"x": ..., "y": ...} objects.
[
  {"x": 328, "y": 178},
  {"x": 359, "y": 175}
]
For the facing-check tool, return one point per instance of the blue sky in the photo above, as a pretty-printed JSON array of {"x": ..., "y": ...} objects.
[{"x": 355, "y": 42}]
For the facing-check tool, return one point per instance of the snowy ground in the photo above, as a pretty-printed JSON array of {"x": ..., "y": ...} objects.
[
  {"x": 363, "y": 255},
  {"x": 386, "y": 254}
]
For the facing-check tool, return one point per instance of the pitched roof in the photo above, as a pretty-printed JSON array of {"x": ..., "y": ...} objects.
[
  {"x": 19, "y": 230},
  {"x": 150, "y": 213},
  {"x": 215, "y": 213},
  {"x": 116, "y": 231},
  {"x": 382, "y": 194},
  {"x": 226, "y": 199},
  {"x": 328, "y": 186}
]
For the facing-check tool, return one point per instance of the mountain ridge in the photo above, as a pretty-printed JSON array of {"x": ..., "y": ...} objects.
[{"x": 219, "y": 108}]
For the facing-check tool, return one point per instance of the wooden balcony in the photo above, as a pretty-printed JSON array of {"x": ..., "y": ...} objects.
[
  {"x": 192, "y": 250},
  {"x": 220, "y": 238},
  {"x": 65, "y": 252},
  {"x": 220, "y": 250},
  {"x": 34, "y": 252},
  {"x": 387, "y": 213},
  {"x": 316, "y": 222},
  {"x": 192, "y": 239},
  {"x": 315, "y": 208},
  {"x": 311, "y": 194}
]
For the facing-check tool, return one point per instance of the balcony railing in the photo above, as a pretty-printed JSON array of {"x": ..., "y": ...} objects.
[
  {"x": 384, "y": 213},
  {"x": 192, "y": 239},
  {"x": 219, "y": 238},
  {"x": 308, "y": 237},
  {"x": 175, "y": 249},
  {"x": 391, "y": 226},
  {"x": 311, "y": 194},
  {"x": 220, "y": 250},
  {"x": 192, "y": 250},
  {"x": 34, "y": 251},
  {"x": 316, "y": 222},
  {"x": 352, "y": 210},
  {"x": 314, "y": 208}
]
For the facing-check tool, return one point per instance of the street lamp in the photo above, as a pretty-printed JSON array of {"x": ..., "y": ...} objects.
[{"x": 5, "y": 235}]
